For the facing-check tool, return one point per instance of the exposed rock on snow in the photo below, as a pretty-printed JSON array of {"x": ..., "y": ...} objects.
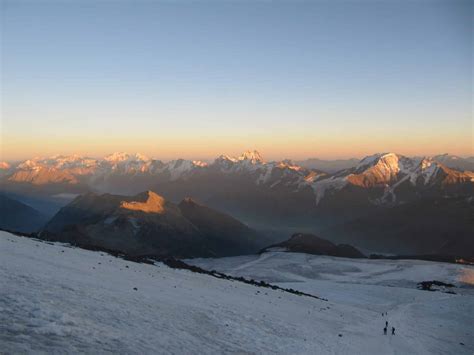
[{"x": 311, "y": 244}]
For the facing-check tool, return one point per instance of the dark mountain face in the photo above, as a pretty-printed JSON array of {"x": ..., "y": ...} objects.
[
  {"x": 148, "y": 224},
  {"x": 443, "y": 226},
  {"x": 311, "y": 244},
  {"x": 18, "y": 217},
  {"x": 225, "y": 234}
]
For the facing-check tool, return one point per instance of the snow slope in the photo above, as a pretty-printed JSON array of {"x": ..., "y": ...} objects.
[
  {"x": 58, "y": 299},
  {"x": 425, "y": 322}
]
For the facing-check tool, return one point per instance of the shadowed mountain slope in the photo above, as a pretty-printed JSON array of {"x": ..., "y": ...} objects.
[
  {"x": 443, "y": 226},
  {"x": 148, "y": 224},
  {"x": 17, "y": 216}
]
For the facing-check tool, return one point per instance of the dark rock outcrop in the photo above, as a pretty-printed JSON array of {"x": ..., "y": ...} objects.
[{"x": 311, "y": 244}]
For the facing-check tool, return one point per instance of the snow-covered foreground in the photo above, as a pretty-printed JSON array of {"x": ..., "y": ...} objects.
[
  {"x": 425, "y": 322},
  {"x": 58, "y": 299}
]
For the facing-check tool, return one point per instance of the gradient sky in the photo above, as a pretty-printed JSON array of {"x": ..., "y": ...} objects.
[{"x": 196, "y": 79}]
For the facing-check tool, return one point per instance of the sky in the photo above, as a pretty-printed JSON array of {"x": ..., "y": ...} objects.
[{"x": 292, "y": 79}]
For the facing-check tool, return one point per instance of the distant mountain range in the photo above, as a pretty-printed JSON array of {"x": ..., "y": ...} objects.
[
  {"x": 280, "y": 196},
  {"x": 333, "y": 166},
  {"x": 147, "y": 224},
  {"x": 237, "y": 184},
  {"x": 122, "y": 168},
  {"x": 392, "y": 179}
]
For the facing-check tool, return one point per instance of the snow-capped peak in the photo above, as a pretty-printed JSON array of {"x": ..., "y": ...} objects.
[
  {"x": 121, "y": 157},
  {"x": 117, "y": 156},
  {"x": 225, "y": 159},
  {"x": 28, "y": 164},
  {"x": 138, "y": 156},
  {"x": 200, "y": 163},
  {"x": 4, "y": 165},
  {"x": 375, "y": 158},
  {"x": 426, "y": 163},
  {"x": 72, "y": 157},
  {"x": 180, "y": 167},
  {"x": 289, "y": 165},
  {"x": 252, "y": 156}
]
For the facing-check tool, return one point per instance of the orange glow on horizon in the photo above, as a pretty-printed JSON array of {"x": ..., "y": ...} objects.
[{"x": 207, "y": 148}]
